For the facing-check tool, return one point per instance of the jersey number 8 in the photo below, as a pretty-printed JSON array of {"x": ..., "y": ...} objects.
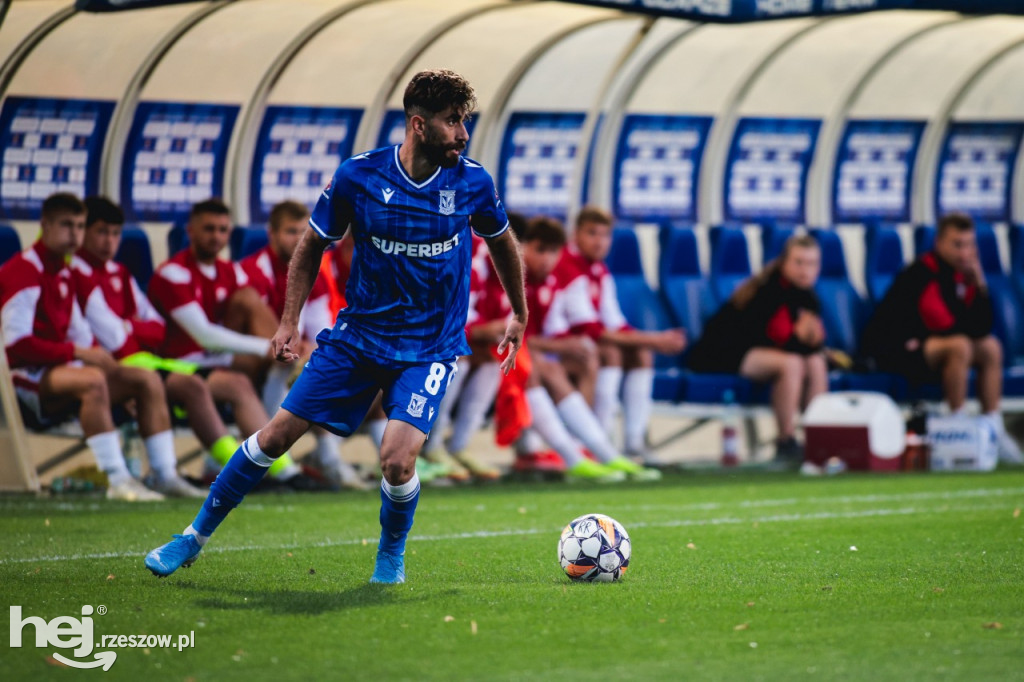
[{"x": 437, "y": 372}]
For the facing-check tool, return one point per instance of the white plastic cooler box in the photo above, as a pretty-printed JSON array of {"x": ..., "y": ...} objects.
[{"x": 865, "y": 430}]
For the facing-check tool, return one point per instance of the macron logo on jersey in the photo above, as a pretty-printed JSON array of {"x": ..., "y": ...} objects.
[
  {"x": 388, "y": 193},
  {"x": 428, "y": 250}
]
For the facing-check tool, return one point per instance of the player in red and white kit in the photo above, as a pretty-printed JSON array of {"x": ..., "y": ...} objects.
[
  {"x": 55, "y": 366},
  {"x": 217, "y": 321},
  {"x": 267, "y": 272},
  {"x": 124, "y": 322},
  {"x": 563, "y": 357},
  {"x": 627, "y": 362}
]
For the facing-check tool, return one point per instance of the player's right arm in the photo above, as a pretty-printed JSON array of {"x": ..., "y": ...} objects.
[
  {"x": 329, "y": 222},
  {"x": 302, "y": 272}
]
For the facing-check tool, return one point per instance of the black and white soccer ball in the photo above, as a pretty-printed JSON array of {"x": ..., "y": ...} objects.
[{"x": 594, "y": 548}]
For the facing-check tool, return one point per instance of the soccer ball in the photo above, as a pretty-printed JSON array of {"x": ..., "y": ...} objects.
[{"x": 594, "y": 547}]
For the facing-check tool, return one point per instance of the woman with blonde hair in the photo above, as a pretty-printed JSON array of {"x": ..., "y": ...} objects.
[{"x": 770, "y": 330}]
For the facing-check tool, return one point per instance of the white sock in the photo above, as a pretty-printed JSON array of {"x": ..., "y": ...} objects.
[
  {"x": 582, "y": 423},
  {"x": 251, "y": 449},
  {"x": 275, "y": 388},
  {"x": 376, "y": 428},
  {"x": 549, "y": 425},
  {"x": 477, "y": 396},
  {"x": 328, "y": 449},
  {"x": 606, "y": 396},
  {"x": 637, "y": 400},
  {"x": 162, "y": 458},
  {"x": 401, "y": 493},
  {"x": 444, "y": 412},
  {"x": 107, "y": 449},
  {"x": 201, "y": 539}
]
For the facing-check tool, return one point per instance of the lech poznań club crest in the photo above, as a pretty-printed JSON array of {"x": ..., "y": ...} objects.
[
  {"x": 416, "y": 405},
  {"x": 447, "y": 205}
]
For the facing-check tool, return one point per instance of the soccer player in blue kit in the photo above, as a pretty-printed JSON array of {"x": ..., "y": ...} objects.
[{"x": 410, "y": 209}]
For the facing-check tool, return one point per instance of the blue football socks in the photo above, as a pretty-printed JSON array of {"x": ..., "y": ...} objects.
[
  {"x": 238, "y": 477},
  {"x": 397, "y": 507}
]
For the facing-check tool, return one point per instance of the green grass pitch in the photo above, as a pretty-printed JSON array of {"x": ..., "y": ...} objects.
[{"x": 733, "y": 577}]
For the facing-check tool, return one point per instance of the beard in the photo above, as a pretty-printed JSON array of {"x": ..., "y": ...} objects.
[{"x": 436, "y": 152}]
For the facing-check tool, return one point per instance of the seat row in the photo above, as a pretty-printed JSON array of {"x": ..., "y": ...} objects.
[{"x": 687, "y": 297}]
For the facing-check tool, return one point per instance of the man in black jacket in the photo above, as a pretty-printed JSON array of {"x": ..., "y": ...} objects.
[{"x": 935, "y": 324}]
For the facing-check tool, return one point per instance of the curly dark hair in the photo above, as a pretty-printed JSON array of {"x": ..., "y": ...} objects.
[{"x": 432, "y": 91}]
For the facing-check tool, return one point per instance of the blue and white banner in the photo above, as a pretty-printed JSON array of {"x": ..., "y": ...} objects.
[
  {"x": 657, "y": 165},
  {"x": 49, "y": 145},
  {"x": 975, "y": 173},
  {"x": 766, "y": 173},
  {"x": 174, "y": 158},
  {"x": 874, "y": 171},
  {"x": 538, "y": 161},
  {"x": 759, "y": 10},
  {"x": 297, "y": 152}
]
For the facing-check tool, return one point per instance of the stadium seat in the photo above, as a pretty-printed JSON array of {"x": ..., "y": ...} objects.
[
  {"x": 246, "y": 241},
  {"x": 773, "y": 238},
  {"x": 842, "y": 309},
  {"x": 883, "y": 260},
  {"x": 10, "y": 243},
  {"x": 730, "y": 262},
  {"x": 1008, "y": 324},
  {"x": 641, "y": 306},
  {"x": 683, "y": 286},
  {"x": 177, "y": 239},
  {"x": 135, "y": 254},
  {"x": 1017, "y": 259},
  {"x": 924, "y": 238}
]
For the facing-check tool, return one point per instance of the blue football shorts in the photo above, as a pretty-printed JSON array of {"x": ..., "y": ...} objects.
[{"x": 339, "y": 382}]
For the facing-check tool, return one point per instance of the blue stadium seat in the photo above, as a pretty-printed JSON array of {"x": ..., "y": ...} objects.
[
  {"x": 641, "y": 306},
  {"x": 10, "y": 243},
  {"x": 246, "y": 241},
  {"x": 683, "y": 286},
  {"x": 730, "y": 262},
  {"x": 883, "y": 260},
  {"x": 773, "y": 238},
  {"x": 842, "y": 309},
  {"x": 177, "y": 239},
  {"x": 1017, "y": 259},
  {"x": 135, "y": 254},
  {"x": 1008, "y": 324},
  {"x": 924, "y": 238}
]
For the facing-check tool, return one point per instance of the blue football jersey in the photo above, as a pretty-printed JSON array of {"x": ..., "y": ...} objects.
[{"x": 408, "y": 290}]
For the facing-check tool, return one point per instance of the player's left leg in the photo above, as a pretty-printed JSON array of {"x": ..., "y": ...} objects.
[
  {"x": 608, "y": 386},
  {"x": 412, "y": 399},
  {"x": 399, "y": 496},
  {"x": 146, "y": 388},
  {"x": 637, "y": 401},
  {"x": 988, "y": 361}
]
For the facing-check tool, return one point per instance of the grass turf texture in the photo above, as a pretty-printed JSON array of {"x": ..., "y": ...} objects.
[{"x": 733, "y": 577}]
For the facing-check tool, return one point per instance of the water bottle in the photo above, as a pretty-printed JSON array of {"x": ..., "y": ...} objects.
[{"x": 730, "y": 433}]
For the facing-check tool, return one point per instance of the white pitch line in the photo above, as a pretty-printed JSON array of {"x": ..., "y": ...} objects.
[{"x": 515, "y": 532}]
